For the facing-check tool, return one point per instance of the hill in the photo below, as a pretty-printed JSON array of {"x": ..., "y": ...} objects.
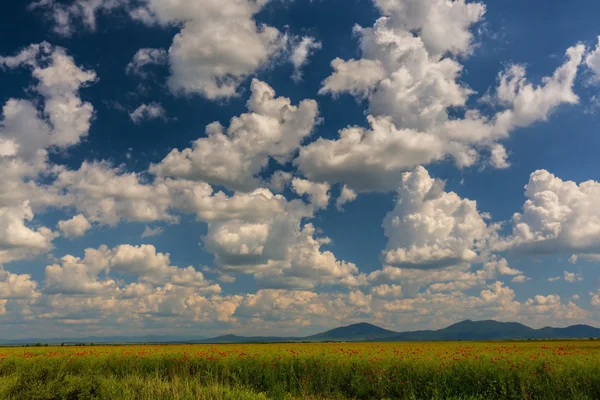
[
  {"x": 362, "y": 332},
  {"x": 486, "y": 330}
]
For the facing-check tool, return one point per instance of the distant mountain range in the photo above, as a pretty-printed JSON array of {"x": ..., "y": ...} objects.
[
  {"x": 106, "y": 339},
  {"x": 363, "y": 332}
]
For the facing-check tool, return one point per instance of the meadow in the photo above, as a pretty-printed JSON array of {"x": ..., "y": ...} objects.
[{"x": 458, "y": 370}]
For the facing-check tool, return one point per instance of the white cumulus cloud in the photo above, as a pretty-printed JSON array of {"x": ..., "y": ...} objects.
[
  {"x": 65, "y": 118},
  {"x": 558, "y": 216},
  {"x": 219, "y": 44},
  {"x": 273, "y": 129},
  {"x": 74, "y": 227},
  {"x": 431, "y": 228},
  {"x": 410, "y": 75}
]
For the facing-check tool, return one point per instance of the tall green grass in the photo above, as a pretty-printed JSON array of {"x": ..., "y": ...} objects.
[{"x": 359, "y": 371}]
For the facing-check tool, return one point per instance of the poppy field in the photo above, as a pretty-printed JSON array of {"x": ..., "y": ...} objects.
[{"x": 441, "y": 370}]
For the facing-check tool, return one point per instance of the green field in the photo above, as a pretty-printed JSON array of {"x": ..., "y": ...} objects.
[{"x": 459, "y": 370}]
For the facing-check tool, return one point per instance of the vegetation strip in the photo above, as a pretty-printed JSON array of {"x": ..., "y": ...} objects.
[{"x": 443, "y": 370}]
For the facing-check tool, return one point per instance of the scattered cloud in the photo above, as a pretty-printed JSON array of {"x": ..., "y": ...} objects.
[
  {"x": 150, "y": 232},
  {"x": 317, "y": 192},
  {"x": 573, "y": 277},
  {"x": 67, "y": 16},
  {"x": 143, "y": 58},
  {"x": 301, "y": 53},
  {"x": 347, "y": 195},
  {"x": 148, "y": 112},
  {"x": 592, "y": 61},
  {"x": 520, "y": 279},
  {"x": 75, "y": 227}
]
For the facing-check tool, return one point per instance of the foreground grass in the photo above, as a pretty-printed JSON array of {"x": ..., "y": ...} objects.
[{"x": 524, "y": 370}]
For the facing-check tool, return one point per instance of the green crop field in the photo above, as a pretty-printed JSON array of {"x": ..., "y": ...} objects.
[{"x": 459, "y": 370}]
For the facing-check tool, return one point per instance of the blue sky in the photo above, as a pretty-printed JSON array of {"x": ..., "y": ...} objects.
[{"x": 406, "y": 163}]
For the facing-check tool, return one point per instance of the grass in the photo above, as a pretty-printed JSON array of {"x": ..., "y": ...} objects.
[{"x": 509, "y": 370}]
